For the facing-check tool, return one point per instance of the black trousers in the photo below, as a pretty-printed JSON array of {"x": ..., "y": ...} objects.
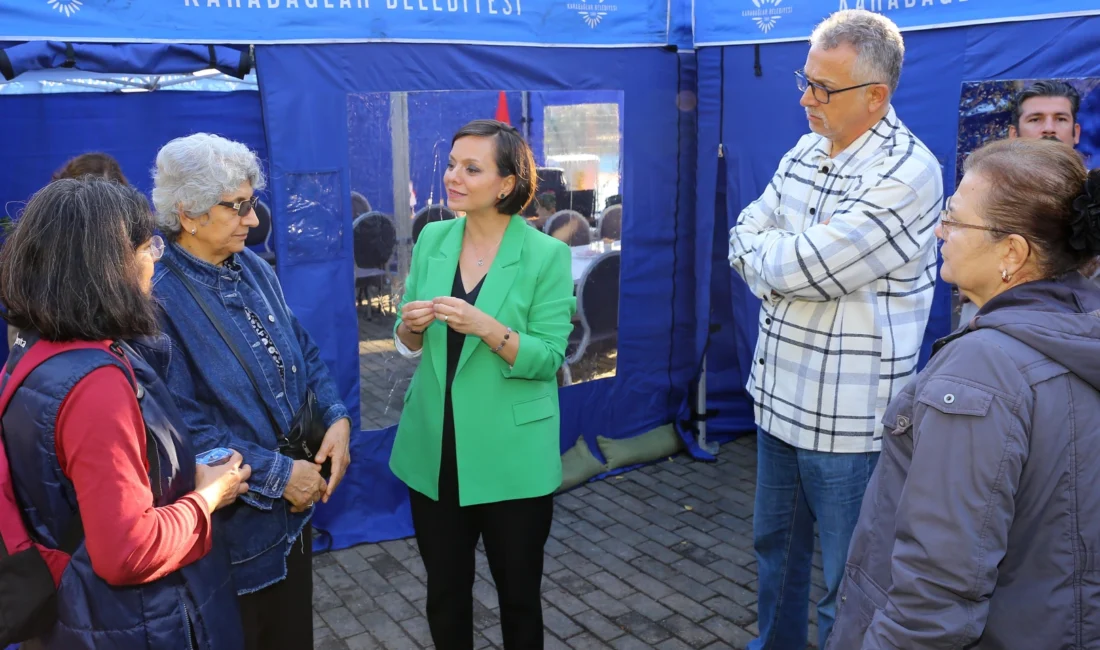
[
  {"x": 515, "y": 533},
  {"x": 280, "y": 617}
]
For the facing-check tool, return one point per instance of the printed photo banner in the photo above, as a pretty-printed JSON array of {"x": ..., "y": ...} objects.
[
  {"x": 736, "y": 22},
  {"x": 589, "y": 23}
]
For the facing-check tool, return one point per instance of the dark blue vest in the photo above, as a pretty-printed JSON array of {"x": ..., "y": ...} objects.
[{"x": 195, "y": 607}]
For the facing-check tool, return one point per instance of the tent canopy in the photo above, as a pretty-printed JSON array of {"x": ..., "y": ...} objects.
[
  {"x": 720, "y": 22},
  {"x": 129, "y": 59},
  {"x": 590, "y": 23}
]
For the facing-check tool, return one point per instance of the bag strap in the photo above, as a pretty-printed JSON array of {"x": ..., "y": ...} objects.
[
  {"x": 38, "y": 353},
  {"x": 171, "y": 266}
]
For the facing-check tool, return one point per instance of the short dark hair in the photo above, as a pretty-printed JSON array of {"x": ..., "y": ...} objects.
[
  {"x": 69, "y": 270},
  {"x": 1046, "y": 88},
  {"x": 548, "y": 201},
  {"x": 514, "y": 158},
  {"x": 95, "y": 163},
  {"x": 1035, "y": 184}
]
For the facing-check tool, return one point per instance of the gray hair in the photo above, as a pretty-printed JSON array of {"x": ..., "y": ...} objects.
[
  {"x": 193, "y": 173},
  {"x": 876, "y": 39}
]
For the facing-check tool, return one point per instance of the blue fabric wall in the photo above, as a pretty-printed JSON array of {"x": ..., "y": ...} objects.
[
  {"x": 305, "y": 108},
  {"x": 41, "y": 132},
  {"x": 758, "y": 118}
]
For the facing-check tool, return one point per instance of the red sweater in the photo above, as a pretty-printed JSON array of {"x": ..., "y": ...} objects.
[{"x": 101, "y": 448}]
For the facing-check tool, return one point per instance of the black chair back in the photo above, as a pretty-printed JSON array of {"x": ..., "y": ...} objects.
[
  {"x": 427, "y": 215},
  {"x": 359, "y": 204},
  {"x": 374, "y": 238},
  {"x": 258, "y": 234},
  {"x": 598, "y": 297},
  {"x": 611, "y": 223}
]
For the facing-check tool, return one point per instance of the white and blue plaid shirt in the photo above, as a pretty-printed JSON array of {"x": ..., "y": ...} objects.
[{"x": 843, "y": 254}]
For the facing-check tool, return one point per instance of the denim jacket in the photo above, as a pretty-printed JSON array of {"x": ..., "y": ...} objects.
[{"x": 222, "y": 409}]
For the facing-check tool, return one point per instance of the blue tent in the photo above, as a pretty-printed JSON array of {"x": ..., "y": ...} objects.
[
  {"x": 748, "y": 106},
  {"x": 679, "y": 302},
  {"x": 310, "y": 57}
]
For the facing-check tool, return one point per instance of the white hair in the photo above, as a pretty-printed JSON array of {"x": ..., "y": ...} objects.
[
  {"x": 193, "y": 173},
  {"x": 876, "y": 39}
]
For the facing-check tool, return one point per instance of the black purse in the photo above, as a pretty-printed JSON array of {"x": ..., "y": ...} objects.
[{"x": 307, "y": 429}]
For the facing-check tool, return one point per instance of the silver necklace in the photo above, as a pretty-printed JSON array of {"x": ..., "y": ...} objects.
[{"x": 477, "y": 253}]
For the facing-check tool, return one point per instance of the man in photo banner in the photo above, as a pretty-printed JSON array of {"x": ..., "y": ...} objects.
[
  {"x": 841, "y": 250},
  {"x": 1048, "y": 110}
]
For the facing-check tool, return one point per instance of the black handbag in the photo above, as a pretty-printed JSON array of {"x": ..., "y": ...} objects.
[{"x": 307, "y": 429}]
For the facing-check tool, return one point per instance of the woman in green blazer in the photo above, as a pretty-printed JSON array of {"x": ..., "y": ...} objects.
[{"x": 488, "y": 307}]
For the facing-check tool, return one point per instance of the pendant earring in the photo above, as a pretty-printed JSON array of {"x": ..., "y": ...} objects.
[{"x": 1004, "y": 275}]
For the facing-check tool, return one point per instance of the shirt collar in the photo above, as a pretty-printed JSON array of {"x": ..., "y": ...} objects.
[
  {"x": 871, "y": 140},
  {"x": 204, "y": 271}
]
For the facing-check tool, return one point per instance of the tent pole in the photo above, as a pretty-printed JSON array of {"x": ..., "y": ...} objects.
[
  {"x": 402, "y": 211},
  {"x": 525, "y": 101}
]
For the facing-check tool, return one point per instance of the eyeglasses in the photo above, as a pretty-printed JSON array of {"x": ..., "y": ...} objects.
[
  {"x": 821, "y": 93},
  {"x": 947, "y": 224},
  {"x": 243, "y": 207},
  {"x": 156, "y": 248}
]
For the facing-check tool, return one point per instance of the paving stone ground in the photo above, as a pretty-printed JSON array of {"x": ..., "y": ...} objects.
[{"x": 660, "y": 557}]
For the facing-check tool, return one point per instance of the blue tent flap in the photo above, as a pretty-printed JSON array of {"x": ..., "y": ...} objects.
[{"x": 127, "y": 59}]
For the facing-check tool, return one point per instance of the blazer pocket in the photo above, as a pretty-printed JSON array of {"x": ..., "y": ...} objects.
[{"x": 533, "y": 410}]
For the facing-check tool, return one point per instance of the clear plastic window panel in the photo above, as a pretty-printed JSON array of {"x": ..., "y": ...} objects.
[
  {"x": 313, "y": 216},
  {"x": 398, "y": 148}
]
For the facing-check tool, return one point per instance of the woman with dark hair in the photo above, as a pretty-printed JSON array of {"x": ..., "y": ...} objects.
[
  {"x": 488, "y": 304},
  {"x": 242, "y": 368},
  {"x": 980, "y": 526},
  {"x": 96, "y": 164},
  {"x": 97, "y": 450}
]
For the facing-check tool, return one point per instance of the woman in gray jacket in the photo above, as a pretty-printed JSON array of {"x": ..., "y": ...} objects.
[{"x": 981, "y": 525}]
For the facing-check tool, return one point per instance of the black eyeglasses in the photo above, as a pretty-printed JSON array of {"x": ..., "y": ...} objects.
[
  {"x": 243, "y": 207},
  {"x": 821, "y": 93},
  {"x": 947, "y": 224}
]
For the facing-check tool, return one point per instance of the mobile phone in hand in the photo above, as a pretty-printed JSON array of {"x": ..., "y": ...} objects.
[{"x": 214, "y": 457}]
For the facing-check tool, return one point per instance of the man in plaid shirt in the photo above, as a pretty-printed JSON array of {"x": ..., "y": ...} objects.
[{"x": 841, "y": 250}]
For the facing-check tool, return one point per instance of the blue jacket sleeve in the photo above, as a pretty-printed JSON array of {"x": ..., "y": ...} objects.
[{"x": 270, "y": 469}]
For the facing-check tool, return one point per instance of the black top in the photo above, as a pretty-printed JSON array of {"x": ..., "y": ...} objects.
[
  {"x": 455, "y": 339},
  {"x": 448, "y": 462}
]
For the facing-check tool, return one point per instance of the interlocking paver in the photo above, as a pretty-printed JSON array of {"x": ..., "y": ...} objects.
[
  {"x": 598, "y": 624},
  {"x": 647, "y": 607},
  {"x": 605, "y": 604},
  {"x": 687, "y": 630},
  {"x": 661, "y": 557}
]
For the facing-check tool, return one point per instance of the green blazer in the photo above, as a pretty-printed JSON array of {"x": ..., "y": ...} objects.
[{"x": 507, "y": 424}]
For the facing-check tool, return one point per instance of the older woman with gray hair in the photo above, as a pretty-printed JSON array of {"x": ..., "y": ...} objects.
[{"x": 242, "y": 367}]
